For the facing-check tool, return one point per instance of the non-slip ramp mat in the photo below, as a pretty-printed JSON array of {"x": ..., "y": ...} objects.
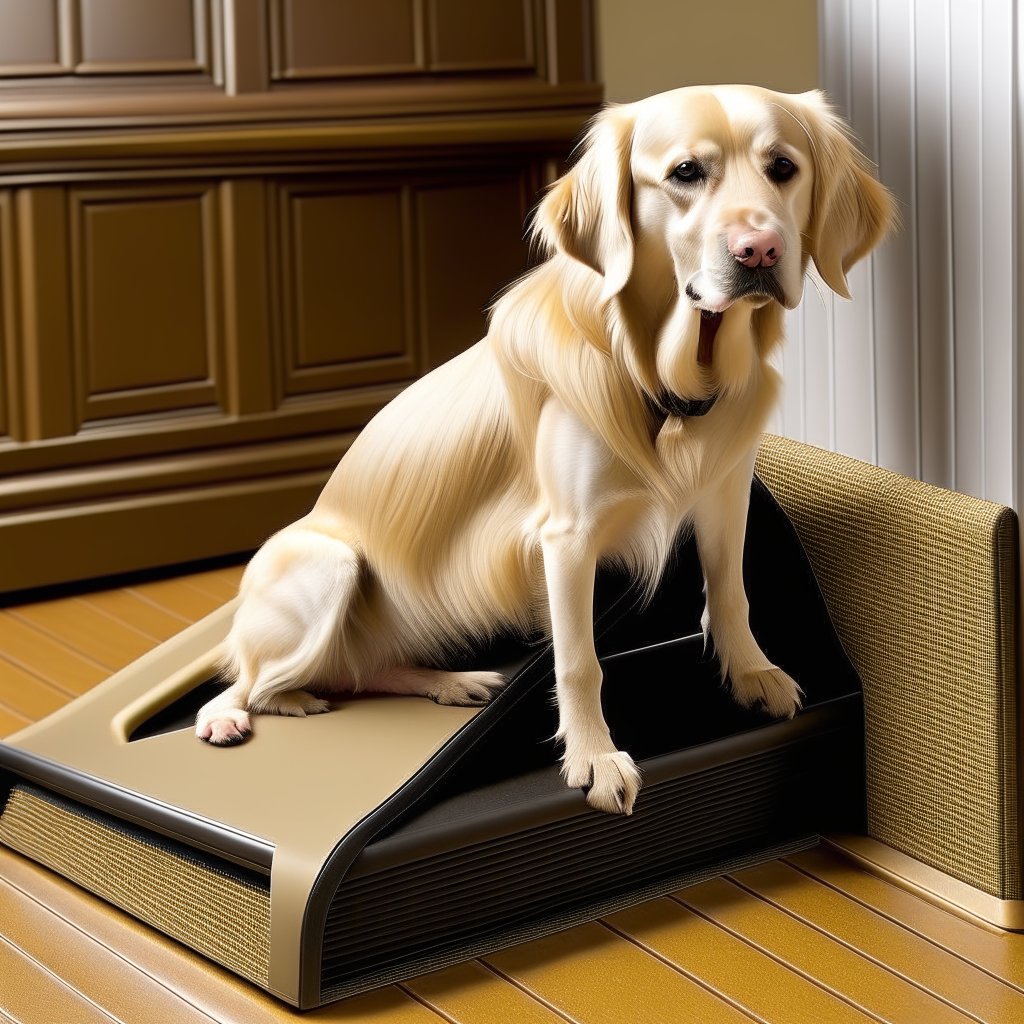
[{"x": 394, "y": 835}]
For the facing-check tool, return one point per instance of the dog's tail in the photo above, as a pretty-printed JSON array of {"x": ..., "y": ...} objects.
[{"x": 287, "y": 631}]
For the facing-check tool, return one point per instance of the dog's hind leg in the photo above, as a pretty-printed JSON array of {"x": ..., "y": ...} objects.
[
  {"x": 286, "y": 632},
  {"x": 466, "y": 689}
]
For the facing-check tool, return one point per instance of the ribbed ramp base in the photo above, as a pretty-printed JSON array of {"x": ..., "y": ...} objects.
[
  {"x": 481, "y": 869},
  {"x": 416, "y": 916}
]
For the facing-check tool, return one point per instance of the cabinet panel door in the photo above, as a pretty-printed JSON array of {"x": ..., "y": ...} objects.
[
  {"x": 157, "y": 36},
  {"x": 341, "y": 38},
  {"x": 470, "y": 247},
  {"x": 34, "y": 37},
  {"x": 146, "y": 293},
  {"x": 471, "y": 35},
  {"x": 344, "y": 287}
]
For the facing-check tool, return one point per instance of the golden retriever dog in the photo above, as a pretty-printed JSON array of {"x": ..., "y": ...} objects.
[{"x": 618, "y": 397}]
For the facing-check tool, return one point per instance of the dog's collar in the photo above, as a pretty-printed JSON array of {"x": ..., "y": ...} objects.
[{"x": 668, "y": 403}]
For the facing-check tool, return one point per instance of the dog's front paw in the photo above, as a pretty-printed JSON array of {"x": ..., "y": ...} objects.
[
  {"x": 466, "y": 689},
  {"x": 770, "y": 689},
  {"x": 611, "y": 779},
  {"x": 225, "y": 728}
]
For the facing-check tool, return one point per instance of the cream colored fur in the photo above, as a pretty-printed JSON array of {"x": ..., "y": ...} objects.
[{"x": 487, "y": 493}]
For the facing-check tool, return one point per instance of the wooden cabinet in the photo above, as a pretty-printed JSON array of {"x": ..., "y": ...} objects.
[{"x": 230, "y": 230}]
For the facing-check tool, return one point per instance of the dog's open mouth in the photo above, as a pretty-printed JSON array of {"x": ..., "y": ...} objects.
[{"x": 709, "y": 324}]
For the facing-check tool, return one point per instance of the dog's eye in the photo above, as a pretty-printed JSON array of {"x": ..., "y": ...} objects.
[
  {"x": 781, "y": 169},
  {"x": 687, "y": 171}
]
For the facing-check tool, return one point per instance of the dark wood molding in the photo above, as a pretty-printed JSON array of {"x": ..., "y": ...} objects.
[
  {"x": 123, "y": 478},
  {"x": 79, "y": 541},
  {"x": 104, "y": 107},
  {"x": 195, "y": 430},
  {"x": 289, "y": 141}
]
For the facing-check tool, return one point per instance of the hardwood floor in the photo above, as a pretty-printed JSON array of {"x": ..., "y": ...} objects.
[{"x": 811, "y": 938}]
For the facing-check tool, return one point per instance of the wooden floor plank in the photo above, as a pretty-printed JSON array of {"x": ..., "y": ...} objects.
[
  {"x": 213, "y": 584},
  {"x": 998, "y": 952},
  {"x": 102, "y": 977},
  {"x": 470, "y": 994},
  {"x": 728, "y": 965},
  {"x": 11, "y": 722},
  {"x": 87, "y": 630},
  {"x": 384, "y": 1006},
  {"x": 177, "y": 597},
  {"x": 218, "y": 993},
  {"x": 948, "y": 977},
  {"x": 232, "y": 573},
  {"x": 133, "y": 610},
  {"x": 31, "y": 995},
  {"x": 27, "y": 695},
  {"x": 49, "y": 659},
  {"x": 818, "y": 957},
  {"x": 593, "y": 976}
]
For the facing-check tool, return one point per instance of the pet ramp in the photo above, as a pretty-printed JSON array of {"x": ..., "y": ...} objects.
[{"x": 392, "y": 836}]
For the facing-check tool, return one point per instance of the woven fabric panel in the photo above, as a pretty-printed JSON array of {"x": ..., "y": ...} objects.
[
  {"x": 217, "y": 913},
  {"x": 921, "y": 584}
]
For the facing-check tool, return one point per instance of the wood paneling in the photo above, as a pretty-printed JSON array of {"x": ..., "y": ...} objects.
[
  {"x": 346, "y": 38},
  {"x": 35, "y": 37},
  {"x": 47, "y": 383},
  {"x": 155, "y": 37},
  {"x": 470, "y": 245},
  {"x": 205, "y": 291},
  {"x": 342, "y": 38},
  {"x": 569, "y": 58},
  {"x": 7, "y": 330},
  {"x": 112, "y": 536},
  {"x": 474, "y": 35},
  {"x": 146, "y": 290},
  {"x": 104, "y": 37},
  {"x": 344, "y": 287},
  {"x": 246, "y": 283}
]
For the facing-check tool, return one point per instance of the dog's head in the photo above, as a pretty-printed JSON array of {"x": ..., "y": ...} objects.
[{"x": 738, "y": 186}]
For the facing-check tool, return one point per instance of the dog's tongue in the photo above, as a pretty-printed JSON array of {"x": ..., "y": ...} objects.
[{"x": 706, "y": 343}]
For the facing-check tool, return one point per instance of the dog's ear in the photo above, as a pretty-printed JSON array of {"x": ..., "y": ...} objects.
[
  {"x": 851, "y": 212},
  {"x": 586, "y": 213}
]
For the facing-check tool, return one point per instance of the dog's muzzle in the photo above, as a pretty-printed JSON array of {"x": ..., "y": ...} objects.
[{"x": 717, "y": 292}]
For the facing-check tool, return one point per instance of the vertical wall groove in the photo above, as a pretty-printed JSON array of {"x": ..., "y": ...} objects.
[
  {"x": 911, "y": 230},
  {"x": 876, "y": 154},
  {"x": 1018, "y": 228},
  {"x": 981, "y": 248},
  {"x": 951, "y": 344}
]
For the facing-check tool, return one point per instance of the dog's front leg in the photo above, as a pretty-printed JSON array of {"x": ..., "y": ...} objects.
[
  {"x": 720, "y": 520},
  {"x": 590, "y": 758}
]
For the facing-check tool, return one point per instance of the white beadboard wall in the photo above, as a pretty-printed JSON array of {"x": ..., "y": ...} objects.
[{"x": 921, "y": 371}]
